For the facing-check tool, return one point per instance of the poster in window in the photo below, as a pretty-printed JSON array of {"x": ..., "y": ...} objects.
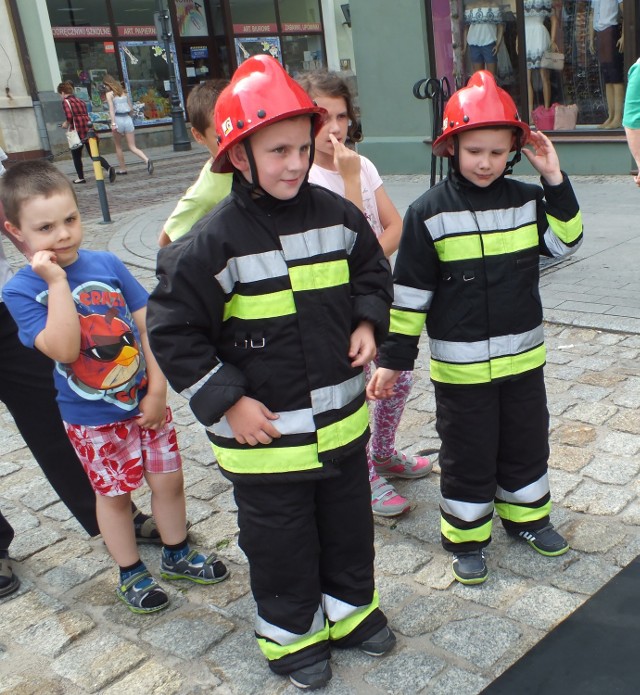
[
  {"x": 191, "y": 19},
  {"x": 248, "y": 46}
]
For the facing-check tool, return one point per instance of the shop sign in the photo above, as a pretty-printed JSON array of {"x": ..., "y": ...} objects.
[
  {"x": 191, "y": 21},
  {"x": 300, "y": 27},
  {"x": 80, "y": 32},
  {"x": 137, "y": 32},
  {"x": 109, "y": 47},
  {"x": 255, "y": 28},
  {"x": 199, "y": 52}
]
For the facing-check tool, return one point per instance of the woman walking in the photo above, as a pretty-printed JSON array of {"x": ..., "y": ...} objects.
[
  {"x": 120, "y": 108},
  {"x": 78, "y": 119}
]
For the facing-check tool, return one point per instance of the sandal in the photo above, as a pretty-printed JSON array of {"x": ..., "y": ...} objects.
[
  {"x": 134, "y": 596},
  {"x": 76, "y": 181},
  {"x": 8, "y": 580},
  {"x": 147, "y": 530}
]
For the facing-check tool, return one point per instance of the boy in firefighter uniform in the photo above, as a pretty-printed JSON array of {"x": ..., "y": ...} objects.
[
  {"x": 468, "y": 266},
  {"x": 264, "y": 315}
]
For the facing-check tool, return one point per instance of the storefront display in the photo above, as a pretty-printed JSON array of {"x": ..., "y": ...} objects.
[{"x": 561, "y": 62}]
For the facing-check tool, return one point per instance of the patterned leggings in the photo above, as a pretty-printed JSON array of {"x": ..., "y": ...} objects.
[{"x": 386, "y": 416}]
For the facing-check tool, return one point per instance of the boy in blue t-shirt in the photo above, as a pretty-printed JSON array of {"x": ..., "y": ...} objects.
[{"x": 86, "y": 311}]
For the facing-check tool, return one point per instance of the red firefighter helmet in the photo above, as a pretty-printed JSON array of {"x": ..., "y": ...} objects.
[
  {"x": 481, "y": 104},
  {"x": 259, "y": 94}
]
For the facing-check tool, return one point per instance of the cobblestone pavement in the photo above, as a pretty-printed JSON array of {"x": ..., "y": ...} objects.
[{"x": 64, "y": 632}]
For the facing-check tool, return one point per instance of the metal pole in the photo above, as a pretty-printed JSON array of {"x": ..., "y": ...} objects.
[
  {"x": 181, "y": 140},
  {"x": 97, "y": 170}
]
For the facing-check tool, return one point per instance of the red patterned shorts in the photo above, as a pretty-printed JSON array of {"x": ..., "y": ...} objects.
[{"x": 116, "y": 456}]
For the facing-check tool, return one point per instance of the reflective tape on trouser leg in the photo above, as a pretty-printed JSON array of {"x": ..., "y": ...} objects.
[
  {"x": 526, "y": 505},
  {"x": 276, "y": 642},
  {"x": 344, "y": 617}
]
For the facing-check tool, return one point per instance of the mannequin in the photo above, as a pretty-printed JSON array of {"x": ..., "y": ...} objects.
[
  {"x": 607, "y": 34},
  {"x": 483, "y": 34},
  {"x": 538, "y": 40}
]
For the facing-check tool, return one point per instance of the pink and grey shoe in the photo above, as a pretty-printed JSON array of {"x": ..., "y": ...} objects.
[
  {"x": 385, "y": 500},
  {"x": 399, "y": 465}
]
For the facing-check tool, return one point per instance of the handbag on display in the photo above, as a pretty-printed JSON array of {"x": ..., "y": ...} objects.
[
  {"x": 551, "y": 60},
  {"x": 73, "y": 139},
  {"x": 566, "y": 117},
  {"x": 543, "y": 117}
]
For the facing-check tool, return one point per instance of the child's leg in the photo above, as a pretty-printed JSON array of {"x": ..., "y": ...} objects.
[
  {"x": 116, "y": 527},
  {"x": 163, "y": 471},
  {"x": 523, "y": 499}
]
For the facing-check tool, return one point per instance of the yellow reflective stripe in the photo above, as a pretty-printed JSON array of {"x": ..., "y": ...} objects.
[
  {"x": 484, "y": 372},
  {"x": 467, "y": 535},
  {"x": 407, "y": 322},
  {"x": 460, "y": 248},
  {"x": 262, "y": 459},
  {"x": 344, "y": 431},
  {"x": 347, "y": 625},
  {"x": 522, "y": 515},
  {"x": 274, "y": 651},
  {"x": 261, "y": 306},
  {"x": 317, "y": 276},
  {"x": 566, "y": 231}
]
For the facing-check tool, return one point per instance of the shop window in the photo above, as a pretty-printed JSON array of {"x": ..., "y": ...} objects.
[
  {"x": 474, "y": 34},
  {"x": 77, "y": 13},
  {"x": 85, "y": 64},
  {"x": 196, "y": 61},
  {"x": 303, "y": 12},
  {"x": 133, "y": 12},
  {"x": 302, "y": 53},
  {"x": 191, "y": 18},
  {"x": 252, "y": 12}
]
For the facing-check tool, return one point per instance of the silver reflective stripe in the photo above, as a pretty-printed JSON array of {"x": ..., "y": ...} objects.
[
  {"x": 337, "y": 396},
  {"x": 191, "y": 391},
  {"x": 481, "y": 350},
  {"x": 525, "y": 495},
  {"x": 466, "y": 511},
  {"x": 283, "y": 637},
  {"x": 411, "y": 298},
  {"x": 316, "y": 242},
  {"x": 557, "y": 247},
  {"x": 448, "y": 223},
  {"x": 288, "y": 422},
  {"x": 336, "y": 610},
  {"x": 258, "y": 266}
]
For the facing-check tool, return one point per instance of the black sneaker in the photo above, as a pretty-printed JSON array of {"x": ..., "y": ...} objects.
[
  {"x": 312, "y": 677},
  {"x": 470, "y": 567},
  {"x": 547, "y": 541},
  {"x": 112, "y": 175},
  {"x": 379, "y": 644}
]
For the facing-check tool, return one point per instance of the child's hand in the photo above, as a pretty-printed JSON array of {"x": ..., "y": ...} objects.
[
  {"x": 543, "y": 158},
  {"x": 250, "y": 422},
  {"x": 362, "y": 345},
  {"x": 45, "y": 264},
  {"x": 382, "y": 383},
  {"x": 346, "y": 161},
  {"x": 153, "y": 411}
]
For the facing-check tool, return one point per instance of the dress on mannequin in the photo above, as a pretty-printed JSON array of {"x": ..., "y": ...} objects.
[
  {"x": 538, "y": 40},
  {"x": 484, "y": 30}
]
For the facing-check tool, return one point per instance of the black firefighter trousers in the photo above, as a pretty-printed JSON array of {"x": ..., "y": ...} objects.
[{"x": 304, "y": 540}]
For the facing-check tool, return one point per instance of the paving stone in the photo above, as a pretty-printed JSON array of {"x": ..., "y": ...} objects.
[
  {"x": 607, "y": 380},
  {"x": 573, "y": 434},
  {"x": 190, "y": 634},
  {"x": 21, "y": 520},
  {"x": 39, "y": 495},
  {"x": 620, "y": 443},
  {"x": 393, "y": 592},
  {"x": 23, "y": 612},
  {"x": 216, "y": 528},
  {"x": 591, "y": 412},
  {"x": 599, "y": 499},
  {"x": 77, "y": 570},
  {"x": 98, "y": 661},
  {"x": 56, "y": 555},
  {"x": 437, "y": 574},
  {"x": 32, "y": 685},
  {"x": 152, "y": 678},
  {"x": 586, "y": 575},
  {"x": 405, "y": 672},
  {"x": 6, "y": 468},
  {"x": 559, "y": 403},
  {"x": 499, "y": 591},
  {"x": 481, "y": 641},
  {"x": 400, "y": 558},
  {"x": 544, "y": 607},
  {"x": 614, "y": 470},
  {"x": 626, "y": 421},
  {"x": 426, "y": 614},
  {"x": 523, "y": 560},
  {"x": 57, "y": 512},
  {"x": 458, "y": 681},
  {"x": 56, "y": 633},
  {"x": 568, "y": 458},
  {"x": 562, "y": 483},
  {"x": 591, "y": 536}
]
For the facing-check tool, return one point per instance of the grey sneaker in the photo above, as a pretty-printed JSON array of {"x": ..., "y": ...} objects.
[
  {"x": 379, "y": 644},
  {"x": 547, "y": 541},
  {"x": 194, "y": 567},
  {"x": 470, "y": 567},
  {"x": 312, "y": 677}
]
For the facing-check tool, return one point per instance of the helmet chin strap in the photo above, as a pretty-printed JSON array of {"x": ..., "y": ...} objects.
[{"x": 517, "y": 156}]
